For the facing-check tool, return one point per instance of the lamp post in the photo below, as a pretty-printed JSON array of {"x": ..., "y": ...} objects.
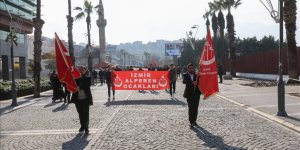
[
  {"x": 12, "y": 39},
  {"x": 278, "y": 17},
  {"x": 195, "y": 27},
  {"x": 191, "y": 37}
]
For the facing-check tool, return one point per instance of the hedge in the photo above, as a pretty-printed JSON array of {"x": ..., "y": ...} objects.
[{"x": 24, "y": 87}]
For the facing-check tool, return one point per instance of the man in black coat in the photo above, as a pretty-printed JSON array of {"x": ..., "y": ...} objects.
[
  {"x": 220, "y": 72},
  {"x": 109, "y": 82},
  {"x": 192, "y": 94},
  {"x": 56, "y": 86},
  {"x": 83, "y": 99},
  {"x": 101, "y": 76}
]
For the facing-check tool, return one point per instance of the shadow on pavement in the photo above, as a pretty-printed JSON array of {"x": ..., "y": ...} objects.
[
  {"x": 154, "y": 92},
  {"x": 51, "y": 104},
  {"x": 212, "y": 141},
  {"x": 293, "y": 118},
  {"x": 9, "y": 107},
  {"x": 60, "y": 108},
  {"x": 78, "y": 142},
  {"x": 145, "y": 102}
]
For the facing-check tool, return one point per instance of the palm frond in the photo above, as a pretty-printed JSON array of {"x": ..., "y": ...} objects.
[
  {"x": 206, "y": 14},
  {"x": 80, "y": 16},
  {"x": 78, "y": 8},
  {"x": 237, "y": 3}
]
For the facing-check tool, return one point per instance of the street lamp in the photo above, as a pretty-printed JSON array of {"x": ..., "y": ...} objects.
[
  {"x": 278, "y": 17},
  {"x": 195, "y": 27},
  {"x": 191, "y": 37},
  {"x": 12, "y": 39}
]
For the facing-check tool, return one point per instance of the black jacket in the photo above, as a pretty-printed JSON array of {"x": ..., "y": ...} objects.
[
  {"x": 85, "y": 84},
  {"x": 190, "y": 90}
]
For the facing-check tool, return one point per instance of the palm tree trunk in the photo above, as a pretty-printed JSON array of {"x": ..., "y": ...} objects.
[
  {"x": 214, "y": 24},
  {"x": 89, "y": 47},
  {"x": 232, "y": 46},
  {"x": 289, "y": 9},
  {"x": 70, "y": 34},
  {"x": 221, "y": 23},
  {"x": 38, "y": 24}
]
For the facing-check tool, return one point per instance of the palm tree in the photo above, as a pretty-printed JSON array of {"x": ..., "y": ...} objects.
[
  {"x": 227, "y": 5},
  {"x": 70, "y": 34},
  {"x": 205, "y": 16},
  {"x": 38, "y": 24},
  {"x": 214, "y": 7},
  {"x": 214, "y": 19},
  {"x": 87, "y": 10},
  {"x": 289, "y": 13}
]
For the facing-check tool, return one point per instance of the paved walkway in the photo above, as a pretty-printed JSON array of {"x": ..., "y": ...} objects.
[
  {"x": 264, "y": 100},
  {"x": 147, "y": 120}
]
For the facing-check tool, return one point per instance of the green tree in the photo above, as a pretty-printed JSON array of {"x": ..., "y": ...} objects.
[
  {"x": 215, "y": 6},
  {"x": 289, "y": 16},
  {"x": 86, "y": 11},
  {"x": 214, "y": 20},
  {"x": 188, "y": 55},
  {"x": 268, "y": 43},
  {"x": 228, "y": 5}
]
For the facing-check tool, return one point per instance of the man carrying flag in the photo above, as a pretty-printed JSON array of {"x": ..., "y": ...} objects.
[
  {"x": 191, "y": 93},
  {"x": 205, "y": 80},
  {"x": 65, "y": 69}
]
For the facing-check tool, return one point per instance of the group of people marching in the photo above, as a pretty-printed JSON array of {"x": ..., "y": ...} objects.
[{"x": 83, "y": 97}]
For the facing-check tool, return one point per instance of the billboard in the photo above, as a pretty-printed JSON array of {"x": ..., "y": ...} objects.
[{"x": 173, "y": 49}]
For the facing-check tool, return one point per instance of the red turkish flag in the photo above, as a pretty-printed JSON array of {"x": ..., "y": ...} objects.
[
  {"x": 208, "y": 80},
  {"x": 65, "y": 69}
]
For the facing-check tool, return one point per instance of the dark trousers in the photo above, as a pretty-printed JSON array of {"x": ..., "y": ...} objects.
[
  {"x": 83, "y": 109},
  {"x": 67, "y": 96},
  {"x": 221, "y": 79},
  {"x": 172, "y": 87},
  {"x": 193, "y": 104},
  {"x": 101, "y": 80},
  {"x": 109, "y": 87}
]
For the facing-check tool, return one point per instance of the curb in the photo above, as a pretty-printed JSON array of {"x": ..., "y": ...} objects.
[{"x": 264, "y": 115}]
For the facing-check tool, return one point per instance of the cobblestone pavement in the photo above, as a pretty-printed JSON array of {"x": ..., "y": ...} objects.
[{"x": 142, "y": 120}]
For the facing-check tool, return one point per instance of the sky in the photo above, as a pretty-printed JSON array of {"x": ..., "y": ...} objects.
[{"x": 151, "y": 20}]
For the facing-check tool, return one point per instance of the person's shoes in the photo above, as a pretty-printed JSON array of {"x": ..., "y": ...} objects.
[
  {"x": 81, "y": 129},
  {"x": 113, "y": 97},
  {"x": 195, "y": 125},
  {"x": 191, "y": 126},
  {"x": 86, "y": 131}
]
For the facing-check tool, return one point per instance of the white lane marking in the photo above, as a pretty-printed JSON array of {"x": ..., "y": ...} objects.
[{"x": 43, "y": 132}]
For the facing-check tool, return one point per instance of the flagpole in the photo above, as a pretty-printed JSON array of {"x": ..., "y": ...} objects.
[{"x": 207, "y": 30}]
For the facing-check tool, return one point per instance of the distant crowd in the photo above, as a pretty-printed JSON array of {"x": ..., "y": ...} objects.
[
  {"x": 83, "y": 98},
  {"x": 102, "y": 75}
]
